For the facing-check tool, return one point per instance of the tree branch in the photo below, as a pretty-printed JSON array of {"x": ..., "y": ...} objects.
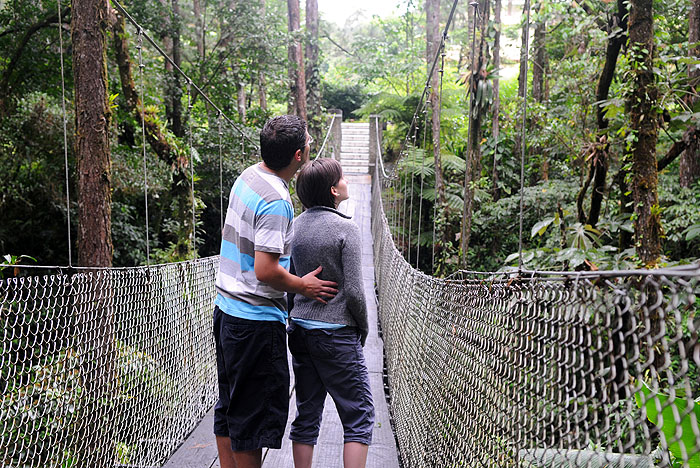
[
  {"x": 327, "y": 36},
  {"x": 676, "y": 149},
  {"x": 7, "y": 74}
]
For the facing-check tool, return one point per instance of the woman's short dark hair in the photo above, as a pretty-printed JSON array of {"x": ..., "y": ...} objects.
[
  {"x": 280, "y": 138},
  {"x": 315, "y": 180}
]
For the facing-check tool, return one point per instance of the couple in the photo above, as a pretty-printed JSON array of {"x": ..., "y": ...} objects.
[{"x": 328, "y": 323}]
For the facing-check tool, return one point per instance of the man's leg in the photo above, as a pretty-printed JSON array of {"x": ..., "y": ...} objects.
[
  {"x": 303, "y": 454},
  {"x": 248, "y": 458},
  {"x": 354, "y": 455},
  {"x": 223, "y": 444}
]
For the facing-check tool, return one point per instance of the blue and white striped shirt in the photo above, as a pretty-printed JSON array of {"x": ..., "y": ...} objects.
[{"x": 259, "y": 218}]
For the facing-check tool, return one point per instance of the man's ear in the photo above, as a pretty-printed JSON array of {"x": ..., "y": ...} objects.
[
  {"x": 334, "y": 191},
  {"x": 298, "y": 155}
]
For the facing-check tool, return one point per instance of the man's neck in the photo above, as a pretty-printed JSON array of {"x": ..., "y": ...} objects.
[{"x": 285, "y": 173}]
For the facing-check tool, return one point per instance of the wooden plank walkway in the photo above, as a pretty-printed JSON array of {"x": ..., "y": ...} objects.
[{"x": 199, "y": 450}]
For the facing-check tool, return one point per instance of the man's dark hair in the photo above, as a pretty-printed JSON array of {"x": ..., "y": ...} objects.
[
  {"x": 280, "y": 138},
  {"x": 315, "y": 180}
]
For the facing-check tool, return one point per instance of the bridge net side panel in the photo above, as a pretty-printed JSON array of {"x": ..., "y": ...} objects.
[
  {"x": 545, "y": 371},
  {"x": 105, "y": 367}
]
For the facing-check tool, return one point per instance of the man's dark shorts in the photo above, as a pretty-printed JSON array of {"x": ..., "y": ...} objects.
[
  {"x": 330, "y": 361},
  {"x": 253, "y": 374}
]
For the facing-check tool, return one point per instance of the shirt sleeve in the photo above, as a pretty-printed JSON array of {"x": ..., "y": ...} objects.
[
  {"x": 354, "y": 285},
  {"x": 272, "y": 223}
]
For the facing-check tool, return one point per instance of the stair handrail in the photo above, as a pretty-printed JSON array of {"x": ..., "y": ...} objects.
[{"x": 325, "y": 140}]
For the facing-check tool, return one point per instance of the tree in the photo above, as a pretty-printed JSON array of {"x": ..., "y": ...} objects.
[
  {"x": 642, "y": 102},
  {"x": 616, "y": 30},
  {"x": 690, "y": 160},
  {"x": 496, "y": 106},
  {"x": 479, "y": 103},
  {"x": 92, "y": 115},
  {"x": 432, "y": 18},
  {"x": 297, "y": 82},
  {"x": 313, "y": 76}
]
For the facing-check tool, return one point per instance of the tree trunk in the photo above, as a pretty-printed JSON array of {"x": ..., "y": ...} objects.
[
  {"x": 522, "y": 75},
  {"x": 313, "y": 77},
  {"x": 689, "y": 169},
  {"x": 174, "y": 97},
  {"x": 156, "y": 138},
  {"x": 199, "y": 29},
  {"x": 432, "y": 14},
  {"x": 598, "y": 169},
  {"x": 92, "y": 115},
  {"x": 241, "y": 97},
  {"x": 262, "y": 82},
  {"x": 644, "y": 124},
  {"x": 496, "y": 107},
  {"x": 539, "y": 59},
  {"x": 297, "y": 82},
  {"x": 473, "y": 169}
]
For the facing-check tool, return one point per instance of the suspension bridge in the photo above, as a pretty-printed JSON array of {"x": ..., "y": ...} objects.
[{"x": 115, "y": 367}]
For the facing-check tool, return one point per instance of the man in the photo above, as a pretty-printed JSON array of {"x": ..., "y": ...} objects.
[{"x": 251, "y": 310}]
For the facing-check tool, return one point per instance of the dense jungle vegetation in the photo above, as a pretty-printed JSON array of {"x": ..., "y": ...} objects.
[{"x": 612, "y": 157}]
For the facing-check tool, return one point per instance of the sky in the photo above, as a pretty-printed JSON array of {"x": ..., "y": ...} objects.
[{"x": 337, "y": 11}]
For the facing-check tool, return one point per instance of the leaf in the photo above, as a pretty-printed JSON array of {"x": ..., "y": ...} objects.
[
  {"x": 540, "y": 227},
  {"x": 663, "y": 410},
  {"x": 511, "y": 257},
  {"x": 692, "y": 232}
]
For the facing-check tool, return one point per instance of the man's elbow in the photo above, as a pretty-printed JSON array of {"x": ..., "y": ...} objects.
[{"x": 264, "y": 275}]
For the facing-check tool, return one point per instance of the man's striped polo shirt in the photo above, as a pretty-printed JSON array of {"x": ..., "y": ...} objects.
[{"x": 259, "y": 218}]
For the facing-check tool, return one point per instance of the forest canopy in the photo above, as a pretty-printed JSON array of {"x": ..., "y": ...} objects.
[{"x": 611, "y": 149}]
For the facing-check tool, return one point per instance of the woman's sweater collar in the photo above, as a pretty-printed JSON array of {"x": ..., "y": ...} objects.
[{"x": 326, "y": 208}]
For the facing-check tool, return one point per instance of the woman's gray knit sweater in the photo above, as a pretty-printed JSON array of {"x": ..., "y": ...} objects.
[{"x": 324, "y": 236}]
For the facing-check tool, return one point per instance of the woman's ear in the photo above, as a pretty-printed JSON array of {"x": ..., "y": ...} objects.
[{"x": 334, "y": 191}]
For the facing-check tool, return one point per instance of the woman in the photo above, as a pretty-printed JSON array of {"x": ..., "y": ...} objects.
[{"x": 326, "y": 339}]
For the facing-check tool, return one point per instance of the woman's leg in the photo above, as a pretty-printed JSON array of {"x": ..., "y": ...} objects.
[
  {"x": 354, "y": 455},
  {"x": 303, "y": 454}
]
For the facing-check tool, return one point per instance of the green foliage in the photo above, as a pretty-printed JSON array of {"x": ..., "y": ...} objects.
[{"x": 673, "y": 415}]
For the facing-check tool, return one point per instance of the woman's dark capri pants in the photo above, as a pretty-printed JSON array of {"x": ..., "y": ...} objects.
[{"x": 330, "y": 362}]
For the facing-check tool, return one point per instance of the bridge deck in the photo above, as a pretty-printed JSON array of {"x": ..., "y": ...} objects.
[{"x": 199, "y": 450}]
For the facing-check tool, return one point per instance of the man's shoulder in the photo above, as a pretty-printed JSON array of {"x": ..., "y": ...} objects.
[{"x": 268, "y": 187}]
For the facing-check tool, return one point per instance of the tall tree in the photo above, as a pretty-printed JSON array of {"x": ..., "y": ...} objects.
[
  {"x": 478, "y": 107},
  {"x": 496, "y": 106},
  {"x": 92, "y": 115},
  {"x": 642, "y": 102},
  {"x": 690, "y": 160},
  {"x": 539, "y": 56},
  {"x": 616, "y": 30},
  {"x": 297, "y": 81},
  {"x": 313, "y": 76},
  {"x": 432, "y": 19},
  {"x": 522, "y": 74}
]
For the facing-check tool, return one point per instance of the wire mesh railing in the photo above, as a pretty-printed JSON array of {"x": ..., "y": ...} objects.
[
  {"x": 105, "y": 367},
  {"x": 540, "y": 369}
]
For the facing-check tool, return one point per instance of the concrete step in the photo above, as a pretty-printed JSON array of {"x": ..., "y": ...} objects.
[
  {"x": 364, "y": 156},
  {"x": 351, "y": 170},
  {"x": 354, "y": 164},
  {"x": 354, "y": 150}
]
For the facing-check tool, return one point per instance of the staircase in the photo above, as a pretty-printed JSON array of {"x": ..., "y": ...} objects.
[{"x": 354, "y": 150}]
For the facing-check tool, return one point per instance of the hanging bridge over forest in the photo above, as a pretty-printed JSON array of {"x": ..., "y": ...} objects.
[{"x": 115, "y": 367}]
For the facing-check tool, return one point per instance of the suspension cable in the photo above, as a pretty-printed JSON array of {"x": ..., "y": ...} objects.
[
  {"x": 522, "y": 139},
  {"x": 328, "y": 133},
  {"x": 65, "y": 133},
  {"x": 189, "y": 138},
  {"x": 139, "y": 47},
  {"x": 422, "y": 178},
  {"x": 179, "y": 70}
]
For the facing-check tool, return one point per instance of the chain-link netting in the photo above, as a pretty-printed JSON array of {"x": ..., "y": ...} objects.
[
  {"x": 108, "y": 367},
  {"x": 559, "y": 370}
]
